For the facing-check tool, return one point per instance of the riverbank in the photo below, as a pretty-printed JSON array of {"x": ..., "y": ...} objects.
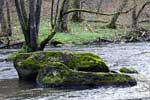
[
  {"x": 79, "y": 33},
  {"x": 85, "y": 33}
]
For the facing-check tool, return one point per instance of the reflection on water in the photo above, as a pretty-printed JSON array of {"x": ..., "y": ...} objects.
[
  {"x": 10, "y": 87},
  {"x": 116, "y": 55}
]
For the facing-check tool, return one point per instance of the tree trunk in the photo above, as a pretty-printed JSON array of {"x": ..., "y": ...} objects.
[
  {"x": 33, "y": 34},
  {"x": 134, "y": 18},
  {"x": 38, "y": 15},
  {"x": 9, "y": 29},
  {"x": 2, "y": 18},
  {"x": 62, "y": 23},
  {"x": 76, "y": 17},
  {"x": 23, "y": 20},
  {"x": 112, "y": 24},
  {"x": 30, "y": 23}
]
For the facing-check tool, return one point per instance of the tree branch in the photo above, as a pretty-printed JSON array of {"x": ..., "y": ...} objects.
[
  {"x": 95, "y": 12},
  {"x": 142, "y": 8},
  {"x": 45, "y": 41}
]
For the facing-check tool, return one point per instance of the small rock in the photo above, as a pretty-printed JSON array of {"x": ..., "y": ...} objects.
[{"x": 128, "y": 70}]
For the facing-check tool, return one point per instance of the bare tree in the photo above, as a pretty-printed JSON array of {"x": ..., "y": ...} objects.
[
  {"x": 136, "y": 15},
  {"x": 114, "y": 19},
  {"x": 29, "y": 23},
  {"x": 137, "y": 33},
  {"x": 5, "y": 21}
]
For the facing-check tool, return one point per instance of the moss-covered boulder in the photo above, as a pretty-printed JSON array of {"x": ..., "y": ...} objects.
[
  {"x": 59, "y": 75},
  {"x": 87, "y": 62},
  {"x": 29, "y": 64},
  {"x": 128, "y": 70},
  {"x": 66, "y": 69}
]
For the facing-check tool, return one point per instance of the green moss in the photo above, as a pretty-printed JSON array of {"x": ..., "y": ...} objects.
[
  {"x": 87, "y": 62},
  {"x": 128, "y": 70},
  {"x": 23, "y": 50},
  {"x": 33, "y": 62},
  {"x": 19, "y": 58},
  {"x": 58, "y": 69},
  {"x": 76, "y": 61},
  {"x": 30, "y": 63},
  {"x": 60, "y": 75},
  {"x": 90, "y": 55},
  {"x": 48, "y": 56}
]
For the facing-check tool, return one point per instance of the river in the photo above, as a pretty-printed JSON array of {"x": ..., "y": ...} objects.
[{"x": 136, "y": 55}]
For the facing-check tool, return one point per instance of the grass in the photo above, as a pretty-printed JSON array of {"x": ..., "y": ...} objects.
[
  {"x": 78, "y": 32},
  {"x": 146, "y": 25},
  {"x": 83, "y": 32}
]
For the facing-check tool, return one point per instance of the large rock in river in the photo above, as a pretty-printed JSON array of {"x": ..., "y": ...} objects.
[
  {"x": 66, "y": 69},
  {"x": 58, "y": 75},
  {"x": 29, "y": 64}
]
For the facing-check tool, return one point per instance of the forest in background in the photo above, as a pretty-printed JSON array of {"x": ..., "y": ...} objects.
[{"x": 90, "y": 26}]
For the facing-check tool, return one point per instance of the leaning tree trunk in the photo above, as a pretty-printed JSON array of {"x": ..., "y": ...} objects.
[
  {"x": 76, "y": 17},
  {"x": 112, "y": 24},
  {"x": 62, "y": 23}
]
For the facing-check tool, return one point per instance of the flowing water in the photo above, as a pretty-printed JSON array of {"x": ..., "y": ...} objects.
[{"x": 135, "y": 55}]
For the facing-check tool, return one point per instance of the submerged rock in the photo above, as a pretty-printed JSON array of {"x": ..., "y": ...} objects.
[
  {"x": 59, "y": 75},
  {"x": 128, "y": 70}
]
